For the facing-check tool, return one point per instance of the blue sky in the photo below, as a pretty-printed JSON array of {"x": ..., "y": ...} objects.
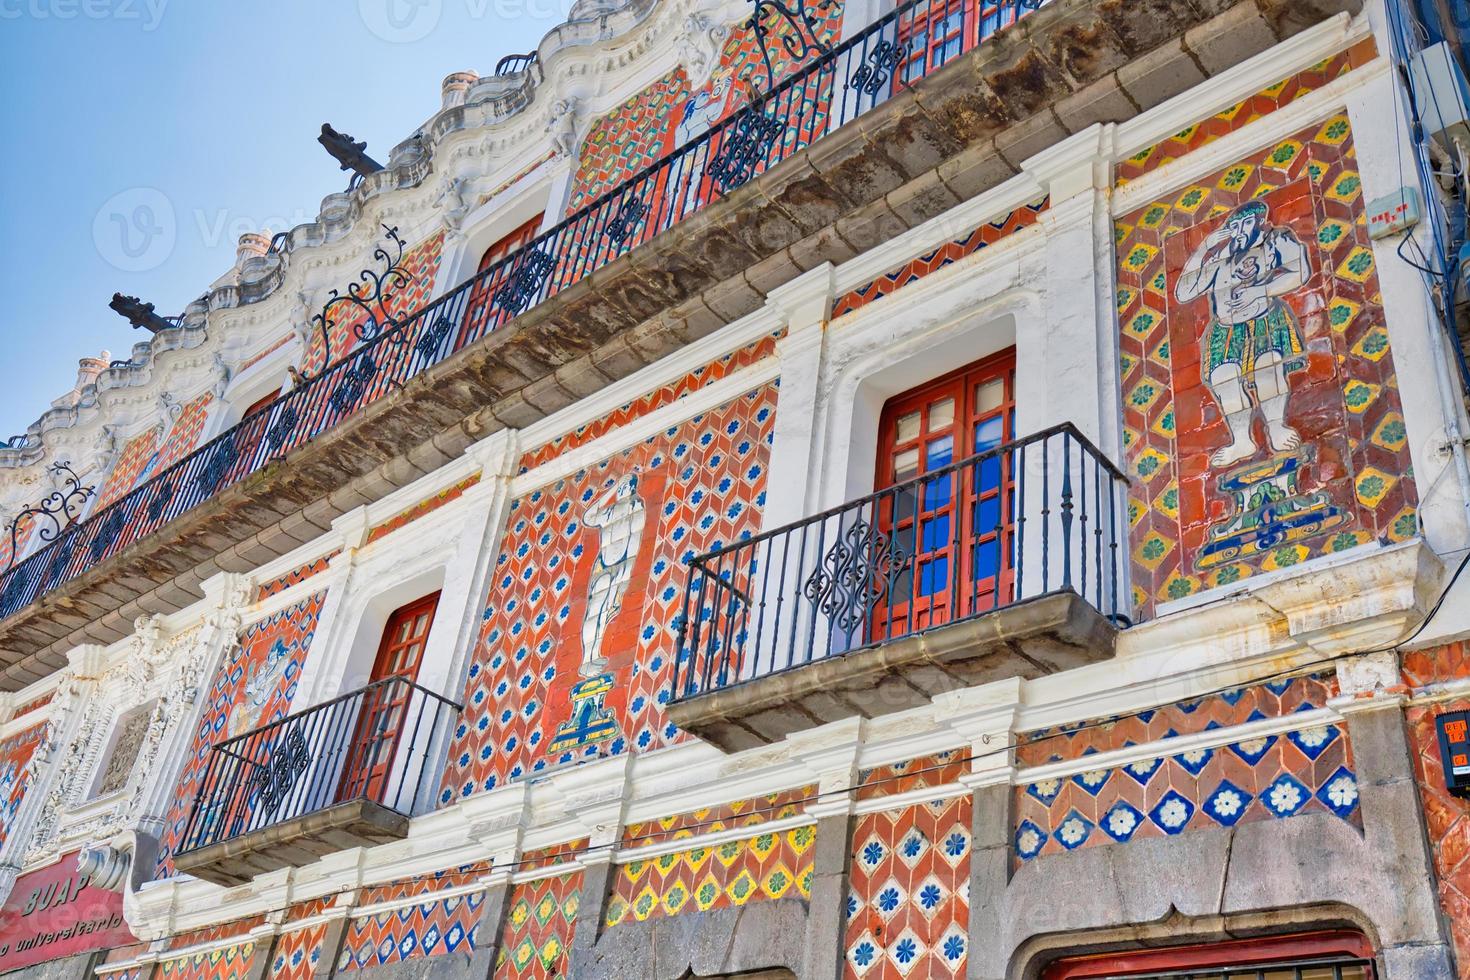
[{"x": 206, "y": 113}]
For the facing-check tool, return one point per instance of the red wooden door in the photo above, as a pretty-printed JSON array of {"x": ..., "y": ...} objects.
[
  {"x": 956, "y": 524},
  {"x": 481, "y": 311},
  {"x": 385, "y": 708},
  {"x": 1215, "y": 961}
]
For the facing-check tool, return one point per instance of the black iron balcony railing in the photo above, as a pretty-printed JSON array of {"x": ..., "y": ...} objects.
[
  {"x": 845, "y": 82},
  {"x": 1037, "y": 516},
  {"x": 372, "y": 744}
]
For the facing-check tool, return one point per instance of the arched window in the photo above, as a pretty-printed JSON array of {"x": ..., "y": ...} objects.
[{"x": 1314, "y": 956}]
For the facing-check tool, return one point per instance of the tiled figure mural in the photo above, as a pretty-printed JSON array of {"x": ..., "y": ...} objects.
[
  {"x": 580, "y": 624},
  {"x": 670, "y": 113},
  {"x": 760, "y": 868},
  {"x": 254, "y": 686},
  {"x": 15, "y": 773},
  {"x": 539, "y": 919},
  {"x": 908, "y": 911},
  {"x": 1446, "y": 818},
  {"x": 1270, "y": 777},
  {"x": 1260, "y": 402}
]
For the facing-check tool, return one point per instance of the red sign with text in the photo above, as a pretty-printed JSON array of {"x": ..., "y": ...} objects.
[{"x": 56, "y": 912}]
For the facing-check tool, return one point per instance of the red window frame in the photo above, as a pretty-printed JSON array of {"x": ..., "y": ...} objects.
[
  {"x": 251, "y": 439},
  {"x": 958, "y": 24},
  {"x": 1282, "y": 952},
  {"x": 380, "y": 721},
  {"x": 963, "y": 516},
  {"x": 479, "y": 314}
]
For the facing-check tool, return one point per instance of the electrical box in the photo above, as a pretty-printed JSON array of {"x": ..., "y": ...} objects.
[
  {"x": 1442, "y": 95},
  {"x": 1393, "y": 213},
  {"x": 1454, "y": 750}
]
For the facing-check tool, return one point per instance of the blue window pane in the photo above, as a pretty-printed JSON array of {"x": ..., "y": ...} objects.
[
  {"x": 988, "y": 477},
  {"x": 936, "y": 532},
  {"x": 987, "y": 515},
  {"x": 987, "y": 559},
  {"x": 940, "y": 452},
  {"x": 933, "y": 576},
  {"x": 988, "y": 434},
  {"x": 937, "y": 492}
]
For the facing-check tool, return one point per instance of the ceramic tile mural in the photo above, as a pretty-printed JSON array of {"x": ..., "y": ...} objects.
[
  {"x": 295, "y": 576},
  {"x": 947, "y": 254},
  {"x": 15, "y": 775},
  {"x": 1268, "y": 778},
  {"x": 429, "y": 928},
  {"x": 701, "y": 377},
  {"x": 1273, "y": 699},
  {"x": 668, "y": 114},
  {"x": 539, "y": 920},
  {"x": 254, "y": 686},
  {"x": 297, "y": 955},
  {"x": 759, "y": 868},
  {"x": 230, "y": 963},
  {"x": 908, "y": 910},
  {"x": 1263, "y": 103},
  {"x": 724, "y": 816},
  {"x": 422, "y": 508},
  {"x": 1261, "y": 409},
  {"x": 420, "y": 264},
  {"x": 579, "y": 631},
  {"x": 1446, "y": 817},
  {"x": 142, "y": 457}
]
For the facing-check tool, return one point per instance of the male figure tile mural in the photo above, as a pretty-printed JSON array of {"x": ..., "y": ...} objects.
[
  {"x": 1261, "y": 407},
  {"x": 580, "y": 624}
]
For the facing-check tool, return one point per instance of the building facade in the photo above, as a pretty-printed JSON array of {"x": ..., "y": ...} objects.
[{"x": 956, "y": 489}]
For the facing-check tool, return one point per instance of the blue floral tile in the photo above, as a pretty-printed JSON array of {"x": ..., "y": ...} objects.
[
  {"x": 1228, "y": 803},
  {"x": 1073, "y": 830},
  {"x": 1121, "y": 821},
  {"x": 1285, "y": 796},
  {"x": 1030, "y": 839},
  {"x": 1172, "y": 813},
  {"x": 1313, "y": 741},
  {"x": 1339, "y": 792}
]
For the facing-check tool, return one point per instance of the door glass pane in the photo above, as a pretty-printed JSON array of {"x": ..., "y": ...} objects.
[
  {"x": 908, "y": 427},
  {"x": 987, "y": 515},
  {"x": 933, "y": 576},
  {"x": 988, "y": 434},
  {"x": 906, "y": 465},
  {"x": 936, "y": 532},
  {"x": 987, "y": 558},
  {"x": 941, "y": 414},
  {"x": 940, "y": 453},
  {"x": 990, "y": 395},
  {"x": 937, "y": 492}
]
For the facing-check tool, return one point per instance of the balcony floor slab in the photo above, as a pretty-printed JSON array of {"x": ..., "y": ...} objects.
[
  {"x": 295, "y": 842},
  {"x": 1045, "y": 635}
]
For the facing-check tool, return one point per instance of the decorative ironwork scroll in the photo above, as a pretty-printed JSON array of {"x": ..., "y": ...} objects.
[
  {"x": 871, "y": 76},
  {"x": 273, "y": 780},
  {"x": 372, "y": 294},
  {"x": 854, "y": 575},
  {"x": 160, "y": 500},
  {"x": 218, "y": 465},
  {"x": 744, "y": 147},
  {"x": 282, "y": 427},
  {"x": 522, "y": 285},
  {"x": 108, "y": 530},
  {"x": 58, "y": 510},
  {"x": 433, "y": 335},
  {"x": 622, "y": 224},
  {"x": 801, "y": 38},
  {"x": 353, "y": 383}
]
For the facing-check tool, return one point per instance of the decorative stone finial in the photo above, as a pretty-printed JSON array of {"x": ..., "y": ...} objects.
[{"x": 456, "y": 86}]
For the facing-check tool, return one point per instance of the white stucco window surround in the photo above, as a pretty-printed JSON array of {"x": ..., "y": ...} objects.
[{"x": 488, "y": 222}]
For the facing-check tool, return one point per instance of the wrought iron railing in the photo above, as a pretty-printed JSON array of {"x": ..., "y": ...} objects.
[
  {"x": 842, "y": 84},
  {"x": 372, "y": 744},
  {"x": 1037, "y": 516}
]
